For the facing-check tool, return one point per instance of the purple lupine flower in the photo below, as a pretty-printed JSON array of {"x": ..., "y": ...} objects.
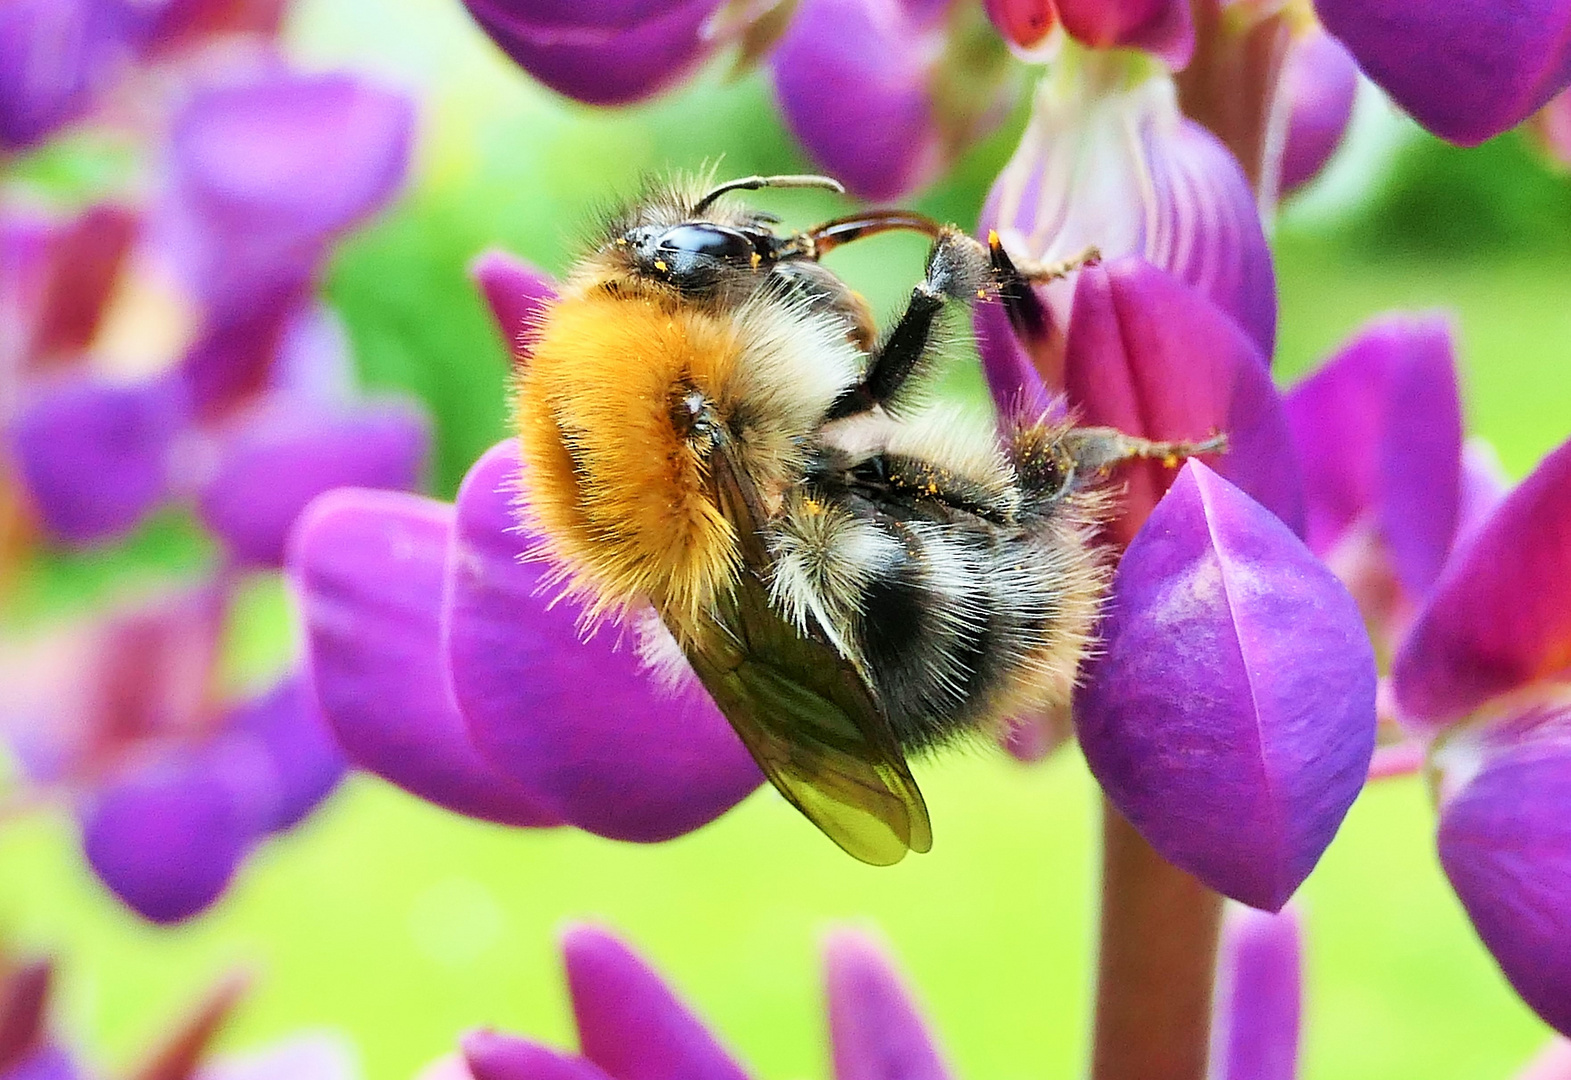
[
  {"x": 1320, "y": 79},
  {"x": 632, "y": 1027},
  {"x": 173, "y": 787},
  {"x": 1466, "y": 71},
  {"x": 1229, "y": 713},
  {"x": 610, "y": 52},
  {"x": 1255, "y": 1033},
  {"x": 1116, "y": 166},
  {"x": 1379, "y": 433},
  {"x": 1483, "y": 672},
  {"x": 886, "y": 94},
  {"x": 54, "y": 56}
]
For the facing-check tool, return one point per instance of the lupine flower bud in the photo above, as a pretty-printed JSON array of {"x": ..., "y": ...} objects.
[{"x": 1320, "y": 80}]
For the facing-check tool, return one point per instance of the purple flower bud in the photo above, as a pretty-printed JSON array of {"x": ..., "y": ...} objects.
[
  {"x": 1111, "y": 163},
  {"x": 1499, "y": 617},
  {"x": 285, "y": 452},
  {"x": 885, "y": 94},
  {"x": 1230, "y": 715},
  {"x": 368, "y": 571},
  {"x": 1153, "y": 358},
  {"x": 629, "y": 1023},
  {"x": 1505, "y": 844},
  {"x": 1028, "y": 26},
  {"x": 1162, "y": 27},
  {"x": 582, "y": 724},
  {"x": 266, "y": 172},
  {"x": 1466, "y": 71},
  {"x": 516, "y": 292},
  {"x": 1320, "y": 80},
  {"x": 875, "y": 1031},
  {"x": 95, "y": 456},
  {"x": 1258, "y": 997},
  {"x": 609, "y": 52},
  {"x": 302, "y": 757},
  {"x": 490, "y": 1055},
  {"x": 53, "y": 55}
]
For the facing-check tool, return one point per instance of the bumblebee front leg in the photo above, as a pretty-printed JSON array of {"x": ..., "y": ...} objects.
[
  {"x": 957, "y": 269},
  {"x": 1027, "y": 314}
]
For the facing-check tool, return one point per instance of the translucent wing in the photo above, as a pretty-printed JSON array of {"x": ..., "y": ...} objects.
[{"x": 804, "y": 711}]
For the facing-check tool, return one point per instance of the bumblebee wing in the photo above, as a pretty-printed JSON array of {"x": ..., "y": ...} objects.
[{"x": 804, "y": 711}]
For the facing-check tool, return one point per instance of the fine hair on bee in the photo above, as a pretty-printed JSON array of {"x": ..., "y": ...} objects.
[{"x": 714, "y": 430}]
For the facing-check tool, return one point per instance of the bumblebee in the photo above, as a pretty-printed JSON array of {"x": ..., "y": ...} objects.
[{"x": 713, "y": 429}]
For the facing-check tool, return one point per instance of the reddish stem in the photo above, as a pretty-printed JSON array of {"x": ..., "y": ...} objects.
[{"x": 1156, "y": 965}]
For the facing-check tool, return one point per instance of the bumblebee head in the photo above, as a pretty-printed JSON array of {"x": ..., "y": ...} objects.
[{"x": 699, "y": 257}]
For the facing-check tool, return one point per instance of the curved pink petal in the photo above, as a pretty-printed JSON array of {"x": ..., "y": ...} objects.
[
  {"x": 367, "y": 568},
  {"x": 1500, "y": 615},
  {"x": 1321, "y": 81},
  {"x": 875, "y": 1029},
  {"x": 1151, "y": 357},
  {"x": 608, "y": 52},
  {"x": 491, "y": 1055},
  {"x": 1466, "y": 70},
  {"x": 1237, "y": 753},
  {"x": 1162, "y": 27},
  {"x": 1505, "y": 844},
  {"x": 516, "y": 293},
  {"x": 286, "y": 452},
  {"x": 1259, "y": 997},
  {"x": 629, "y": 1022},
  {"x": 632, "y": 760}
]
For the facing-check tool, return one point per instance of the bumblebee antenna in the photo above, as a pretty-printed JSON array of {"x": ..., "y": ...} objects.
[{"x": 753, "y": 183}]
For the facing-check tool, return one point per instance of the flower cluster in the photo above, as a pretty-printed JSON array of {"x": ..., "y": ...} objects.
[{"x": 162, "y": 346}]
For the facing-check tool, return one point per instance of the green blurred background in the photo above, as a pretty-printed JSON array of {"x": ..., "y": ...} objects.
[{"x": 402, "y": 925}]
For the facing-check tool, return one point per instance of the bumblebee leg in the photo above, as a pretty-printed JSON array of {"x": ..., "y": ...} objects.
[
  {"x": 1027, "y": 314},
  {"x": 956, "y": 270},
  {"x": 822, "y": 239},
  {"x": 1097, "y": 450}
]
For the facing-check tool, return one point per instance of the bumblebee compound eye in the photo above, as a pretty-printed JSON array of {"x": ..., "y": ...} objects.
[{"x": 696, "y": 256}]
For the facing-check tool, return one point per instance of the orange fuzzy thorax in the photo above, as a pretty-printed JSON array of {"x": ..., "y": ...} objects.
[{"x": 621, "y": 500}]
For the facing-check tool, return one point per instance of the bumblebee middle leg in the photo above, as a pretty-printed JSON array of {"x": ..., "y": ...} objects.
[{"x": 957, "y": 269}]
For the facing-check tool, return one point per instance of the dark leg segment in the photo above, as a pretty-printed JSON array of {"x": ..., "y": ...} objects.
[{"x": 956, "y": 270}]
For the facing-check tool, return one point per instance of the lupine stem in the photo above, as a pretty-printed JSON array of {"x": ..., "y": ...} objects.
[{"x": 1156, "y": 963}]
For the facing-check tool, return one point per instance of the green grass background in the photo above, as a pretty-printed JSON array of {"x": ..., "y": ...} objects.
[{"x": 403, "y": 926}]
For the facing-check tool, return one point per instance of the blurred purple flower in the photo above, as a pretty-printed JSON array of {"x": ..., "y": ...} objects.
[
  {"x": 1552, "y": 126},
  {"x": 1379, "y": 434},
  {"x": 886, "y": 94},
  {"x": 1255, "y": 1035},
  {"x": 54, "y": 55},
  {"x": 1230, "y": 711},
  {"x": 173, "y": 785},
  {"x": 1466, "y": 71},
  {"x": 631, "y": 1027},
  {"x": 1320, "y": 79},
  {"x": 1162, "y": 27},
  {"x": 609, "y": 52},
  {"x": 1108, "y": 161}
]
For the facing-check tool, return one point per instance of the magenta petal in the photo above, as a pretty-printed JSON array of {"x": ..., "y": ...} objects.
[
  {"x": 629, "y": 1022},
  {"x": 53, "y": 54},
  {"x": 1466, "y": 70},
  {"x": 854, "y": 82},
  {"x": 95, "y": 456},
  {"x": 609, "y": 52},
  {"x": 1258, "y": 997},
  {"x": 1162, "y": 27},
  {"x": 48, "y": 1063},
  {"x": 168, "y": 837},
  {"x": 875, "y": 1030},
  {"x": 367, "y": 568},
  {"x": 608, "y": 761},
  {"x": 1016, "y": 385},
  {"x": 1321, "y": 81},
  {"x": 305, "y": 761},
  {"x": 1500, "y": 615},
  {"x": 287, "y": 452},
  {"x": 1151, "y": 357},
  {"x": 1484, "y": 485},
  {"x": 1505, "y": 844},
  {"x": 265, "y": 173},
  {"x": 516, "y": 293},
  {"x": 1420, "y": 464},
  {"x": 491, "y": 1055},
  {"x": 1237, "y": 753}
]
